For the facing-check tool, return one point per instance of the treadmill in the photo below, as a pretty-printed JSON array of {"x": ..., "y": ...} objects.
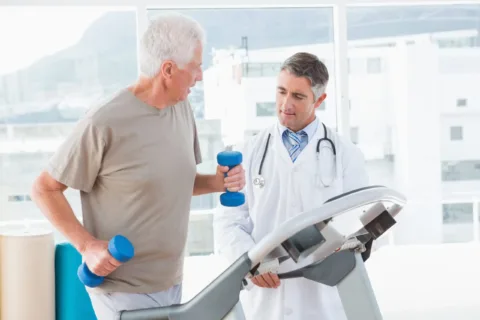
[{"x": 329, "y": 245}]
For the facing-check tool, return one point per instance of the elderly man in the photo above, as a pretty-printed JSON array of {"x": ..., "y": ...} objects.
[
  {"x": 300, "y": 170},
  {"x": 134, "y": 159}
]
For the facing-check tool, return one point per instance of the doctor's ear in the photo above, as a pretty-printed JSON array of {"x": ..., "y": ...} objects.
[{"x": 320, "y": 100}]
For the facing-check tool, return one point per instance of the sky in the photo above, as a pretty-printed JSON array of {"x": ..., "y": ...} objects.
[{"x": 29, "y": 33}]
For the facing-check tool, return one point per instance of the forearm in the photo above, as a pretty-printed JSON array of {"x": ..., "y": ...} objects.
[
  {"x": 232, "y": 232},
  {"x": 207, "y": 183},
  {"x": 55, "y": 207}
]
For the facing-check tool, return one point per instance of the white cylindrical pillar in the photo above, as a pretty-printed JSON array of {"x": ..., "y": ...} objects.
[{"x": 27, "y": 273}]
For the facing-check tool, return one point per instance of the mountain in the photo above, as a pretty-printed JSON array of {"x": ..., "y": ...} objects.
[{"x": 105, "y": 58}]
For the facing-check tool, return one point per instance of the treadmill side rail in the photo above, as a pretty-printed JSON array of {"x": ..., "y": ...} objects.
[{"x": 219, "y": 300}]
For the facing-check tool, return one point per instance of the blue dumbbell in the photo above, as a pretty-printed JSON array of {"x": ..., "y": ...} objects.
[
  {"x": 230, "y": 159},
  {"x": 120, "y": 248}
]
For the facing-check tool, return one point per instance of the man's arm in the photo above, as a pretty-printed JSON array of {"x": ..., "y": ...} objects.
[
  {"x": 210, "y": 183},
  {"x": 76, "y": 164},
  {"x": 232, "y": 227},
  {"x": 48, "y": 195}
]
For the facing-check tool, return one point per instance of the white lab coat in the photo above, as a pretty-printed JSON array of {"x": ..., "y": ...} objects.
[{"x": 290, "y": 188}]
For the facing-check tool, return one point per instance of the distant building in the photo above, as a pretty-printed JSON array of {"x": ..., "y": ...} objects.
[{"x": 415, "y": 110}]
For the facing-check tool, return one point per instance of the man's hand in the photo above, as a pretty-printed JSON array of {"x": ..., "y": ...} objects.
[
  {"x": 235, "y": 180},
  {"x": 98, "y": 259},
  {"x": 267, "y": 280}
]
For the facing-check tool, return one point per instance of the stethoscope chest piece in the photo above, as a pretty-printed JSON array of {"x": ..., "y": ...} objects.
[{"x": 259, "y": 182}]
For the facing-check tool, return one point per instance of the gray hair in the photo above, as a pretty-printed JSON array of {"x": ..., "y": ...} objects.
[
  {"x": 169, "y": 37},
  {"x": 307, "y": 65}
]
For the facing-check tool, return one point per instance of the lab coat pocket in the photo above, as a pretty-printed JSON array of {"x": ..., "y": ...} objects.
[{"x": 318, "y": 189}]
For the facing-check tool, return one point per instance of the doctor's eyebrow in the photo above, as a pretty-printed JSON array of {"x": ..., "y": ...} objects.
[{"x": 297, "y": 94}]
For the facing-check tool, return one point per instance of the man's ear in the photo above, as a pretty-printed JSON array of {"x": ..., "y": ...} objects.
[
  {"x": 167, "y": 69},
  {"x": 320, "y": 100}
]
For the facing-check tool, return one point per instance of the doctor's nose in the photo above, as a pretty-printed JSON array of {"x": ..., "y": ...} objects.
[{"x": 287, "y": 106}]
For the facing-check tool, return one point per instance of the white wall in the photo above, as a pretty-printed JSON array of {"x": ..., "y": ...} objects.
[
  {"x": 417, "y": 165},
  {"x": 469, "y": 147}
]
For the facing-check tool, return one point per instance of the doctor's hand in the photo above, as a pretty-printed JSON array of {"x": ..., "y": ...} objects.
[
  {"x": 235, "y": 179},
  {"x": 267, "y": 280}
]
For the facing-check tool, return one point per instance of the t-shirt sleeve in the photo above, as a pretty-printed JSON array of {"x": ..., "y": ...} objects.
[{"x": 78, "y": 160}]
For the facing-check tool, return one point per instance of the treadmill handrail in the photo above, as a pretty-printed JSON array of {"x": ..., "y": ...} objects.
[{"x": 353, "y": 199}]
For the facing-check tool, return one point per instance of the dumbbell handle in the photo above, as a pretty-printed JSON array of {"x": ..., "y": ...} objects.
[
  {"x": 230, "y": 159},
  {"x": 120, "y": 248}
]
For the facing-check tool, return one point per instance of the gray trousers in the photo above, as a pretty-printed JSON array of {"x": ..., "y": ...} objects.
[{"x": 107, "y": 306}]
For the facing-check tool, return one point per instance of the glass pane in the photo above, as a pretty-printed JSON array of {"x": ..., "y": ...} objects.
[
  {"x": 67, "y": 59},
  {"x": 456, "y": 133},
  {"x": 464, "y": 170},
  {"x": 457, "y": 222},
  {"x": 242, "y": 59},
  {"x": 412, "y": 78},
  {"x": 266, "y": 109}
]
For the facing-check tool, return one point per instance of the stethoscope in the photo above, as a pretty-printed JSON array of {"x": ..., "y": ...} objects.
[{"x": 259, "y": 181}]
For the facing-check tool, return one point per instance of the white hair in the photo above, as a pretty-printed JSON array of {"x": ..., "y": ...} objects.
[{"x": 169, "y": 37}]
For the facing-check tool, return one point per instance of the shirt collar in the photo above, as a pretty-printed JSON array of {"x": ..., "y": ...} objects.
[{"x": 309, "y": 130}]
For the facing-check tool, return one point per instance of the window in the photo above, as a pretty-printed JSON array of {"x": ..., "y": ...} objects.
[
  {"x": 252, "y": 70},
  {"x": 248, "y": 104},
  {"x": 264, "y": 69},
  {"x": 354, "y": 135},
  {"x": 457, "y": 217},
  {"x": 16, "y": 198},
  {"x": 48, "y": 82},
  {"x": 465, "y": 170},
  {"x": 19, "y": 198},
  {"x": 266, "y": 109},
  {"x": 457, "y": 42},
  {"x": 412, "y": 159},
  {"x": 461, "y": 102},
  {"x": 456, "y": 133},
  {"x": 454, "y": 213},
  {"x": 409, "y": 122},
  {"x": 374, "y": 65}
]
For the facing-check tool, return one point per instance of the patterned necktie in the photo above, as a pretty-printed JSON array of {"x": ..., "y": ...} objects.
[{"x": 295, "y": 139}]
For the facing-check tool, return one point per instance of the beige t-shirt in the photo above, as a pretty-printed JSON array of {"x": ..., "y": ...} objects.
[{"x": 135, "y": 167}]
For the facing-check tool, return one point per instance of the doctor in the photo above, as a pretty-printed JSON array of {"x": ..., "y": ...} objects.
[{"x": 290, "y": 167}]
